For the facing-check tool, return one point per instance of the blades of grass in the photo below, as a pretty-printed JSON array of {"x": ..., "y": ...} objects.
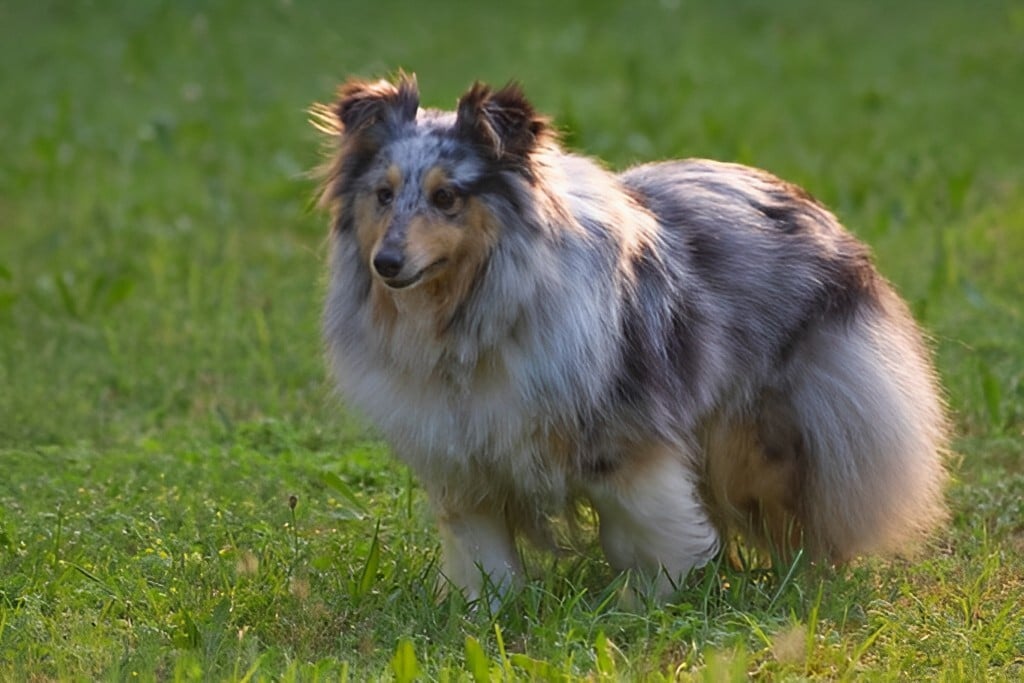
[
  {"x": 410, "y": 487},
  {"x": 107, "y": 291},
  {"x": 369, "y": 573},
  {"x": 333, "y": 481},
  {"x": 476, "y": 661},
  {"x": 757, "y": 630},
  {"x": 7, "y": 295},
  {"x": 604, "y": 649},
  {"x": 254, "y": 668},
  {"x": 506, "y": 666},
  {"x": 194, "y": 287},
  {"x": 709, "y": 582},
  {"x": 992, "y": 392},
  {"x": 55, "y": 563},
  {"x": 188, "y": 636},
  {"x": 787, "y": 579},
  {"x": 95, "y": 579},
  {"x": 726, "y": 665},
  {"x": 859, "y": 651},
  {"x": 265, "y": 351},
  {"x": 537, "y": 669},
  {"x": 187, "y": 667},
  {"x": 64, "y": 282},
  {"x": 403, "y": 663},
  {"x": 575, "y": 597},
  {"x": 812, "y": 626},
  {"x": 3, "y": 622},
  {"x": 610, "y": 594}
]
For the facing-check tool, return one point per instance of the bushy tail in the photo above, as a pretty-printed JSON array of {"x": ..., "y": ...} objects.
[{"x": 874, "y": 434}]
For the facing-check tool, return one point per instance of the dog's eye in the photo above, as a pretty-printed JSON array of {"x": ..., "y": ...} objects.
[
  {"x": 443, "y": 199},
  {"x": 385, "y": 195}
]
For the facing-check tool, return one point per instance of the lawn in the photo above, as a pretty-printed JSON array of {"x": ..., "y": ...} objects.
[{"x": 181, "y": 495}]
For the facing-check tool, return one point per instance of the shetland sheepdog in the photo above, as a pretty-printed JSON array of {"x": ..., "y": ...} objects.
[{"x": 695, "y": 349}]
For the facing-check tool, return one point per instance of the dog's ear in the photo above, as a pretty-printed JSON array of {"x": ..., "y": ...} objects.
[
  {"x": 362, "y": 105},
  {"x": 503, "y": 122}
]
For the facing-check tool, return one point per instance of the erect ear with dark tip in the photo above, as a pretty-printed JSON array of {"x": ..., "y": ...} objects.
[
  {"x": 362, "y": 104},
  {"x": 504, "y": 122}
]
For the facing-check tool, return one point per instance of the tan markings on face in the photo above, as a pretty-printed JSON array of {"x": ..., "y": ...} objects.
[
  {"x": 434, "y": 179},
  {"x": 431, "y": 241},
  {"x": 394, "y": 177},
  {"x": 371, "y": 223},
  {"x": 464, "y": 241},
  {"x": 371, "y": 218}
]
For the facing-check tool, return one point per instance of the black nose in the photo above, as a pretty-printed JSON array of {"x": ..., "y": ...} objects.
[{"x": 388, "y": 262}]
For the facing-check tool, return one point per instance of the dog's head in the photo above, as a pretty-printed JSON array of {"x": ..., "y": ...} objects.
[{"x": 417, "y": 188}]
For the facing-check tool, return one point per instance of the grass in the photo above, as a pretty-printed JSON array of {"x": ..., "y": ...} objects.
[{"x": 162, "y": 394}]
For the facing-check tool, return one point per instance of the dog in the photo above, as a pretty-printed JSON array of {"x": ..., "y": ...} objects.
[{"x": 695, "y": 349}]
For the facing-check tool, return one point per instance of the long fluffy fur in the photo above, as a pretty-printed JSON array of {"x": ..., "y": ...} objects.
[{"x": 693, "y": 346}]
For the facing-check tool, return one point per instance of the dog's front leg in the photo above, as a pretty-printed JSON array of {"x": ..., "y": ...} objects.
[{"x": 480, "y": 555}]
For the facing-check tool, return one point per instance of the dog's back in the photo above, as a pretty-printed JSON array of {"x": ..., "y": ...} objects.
[{"x": 822, "y": 416}]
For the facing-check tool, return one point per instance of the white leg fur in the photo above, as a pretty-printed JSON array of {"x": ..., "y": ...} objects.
[
  {"x": 652, "y": 520},
  {"x": 478, "y": 545}
]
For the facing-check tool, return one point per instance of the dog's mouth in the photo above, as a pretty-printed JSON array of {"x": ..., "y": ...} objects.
[{"x": 415, "y": 278}]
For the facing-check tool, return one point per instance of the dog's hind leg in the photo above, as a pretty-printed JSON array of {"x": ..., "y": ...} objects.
[
  {"x": 652, "y": 518},
  {"x": 753, "y": 472},
  {"x": 480, "y": 555}
]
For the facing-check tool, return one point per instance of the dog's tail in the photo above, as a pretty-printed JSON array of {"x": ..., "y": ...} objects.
[
  {"x": 847, "y": 454},
  {"x": 873, "y": 432}
]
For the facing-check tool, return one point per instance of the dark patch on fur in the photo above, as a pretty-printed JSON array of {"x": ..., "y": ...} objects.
[
  {"x": 660, "y": 349},
  {"x": 346, "y": 220},
  {"x": 852, "y": 287},
  {"x": 598, "y": 467},
  {"x": 708, "y": 251},
  {"x": 792, "y": 209},
  {"x": 363, "y": 283},
  {"x": 842, "y": 277},
  {"x": 777, "y": 429},
  {"x": 684, "y": 348},
  {"x": 494, "y": 183},
  {"x": 353, "y": 166},
  {"x": 788, "y": 216}
]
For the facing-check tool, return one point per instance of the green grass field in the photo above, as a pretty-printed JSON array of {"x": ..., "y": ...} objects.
[{"x": 162, "y": 391}]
